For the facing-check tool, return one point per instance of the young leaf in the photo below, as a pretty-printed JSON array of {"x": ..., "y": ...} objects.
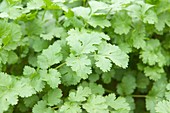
[
  {"x": 96, "y": 104},
  {"x": 80, "y": 95},
  {"x": 50, "y": 56},
  {"x": 108, "y": 53},
  {"x": 81, "y": 65}
]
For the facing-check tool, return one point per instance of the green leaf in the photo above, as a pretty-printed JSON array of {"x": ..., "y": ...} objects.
[
  {"x": 82, "y": 42},
  {"x": 107, "y": 77},
  {"x": 100, "y": 21},
  {"x": 35, "y": 4},
  {"x": 31, "y": 101},
  {"x": 138, "y": 36},
  {"x": 110, "y": 53},
  {"x": 81, "y": 65},
  {"x": 12, "y": 57},
  {"x": 156, "y": 94},
  {"x": 154, "y": 73},
  {"x": 142, "y": 81},
  {"x": 69, "y": 77},
  {"x": 96, "y": 104},
  {"x": 23, "y": 87},
  {"x": 50, "y": 56},
  {"x": 41, "y": 107},
  {"x": 5, "y": 80},
  {"x": 93, "y": 77},
  {"x": 4, "y": 105},
  {"x": 53, "y": 97},
  {"x": 95, "y": 88},
  {"x": 70, "y": 107},
  {"x": 4, "y": 56},
  {"x": 163, "y": 107},
  {"x": 128, "y": 85},
  {"x": 95, "y": 5},
  {"x": 52, "y": 77},
  {"x": 33, "y": 27},
  {"x": 38, "y": 44},
  {"x": 152, "y": 53},
  {"x": 138, "y": 10},
  {"x": 117, "y": 104},
  {"x": 121, "y": 23},
  {"x": 163, "y": 19},
  {"x": 80, "y": 95},
  {"x": 10, "y": 34},
  {"x": 150, "y": 17},
  {"x": 82, "y": 12},
  {"x": 37, "y": 83},
  {"x": 28, "y": 70}
]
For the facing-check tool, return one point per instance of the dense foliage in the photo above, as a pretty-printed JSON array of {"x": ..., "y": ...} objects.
[{"x": 90, "y": 56}]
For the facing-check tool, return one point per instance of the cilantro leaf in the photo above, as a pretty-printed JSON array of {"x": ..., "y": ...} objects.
[
  {"x": 152, "y": 53},
  {"x": 83, "y": 42},
  {"x": 52, "y": 77},
  {"x": 50, "y": 56},
  {"x": 69, "y": 77},
  {"x": 126, "y": 87},
  {"x": 81, "y": 65},
  {"x": 96, "y": 104},
  {"x": 70, "y": 107},
  {"x": 121, "y": 23},
  {"x": 99, "y": 21},
  {"x": 163, "y": 107},
  {"x": 108, "y": 53},
  {"x": 117, "y": 104},
  {"x": 53, "y": 97},
  {"x": 31, "y": 101},
  {"x": 80, "y": 95},
  {"x": 41, "y": 107},
  {"x": 35, "y": 4},
  {"x": 154, "y": 73}
]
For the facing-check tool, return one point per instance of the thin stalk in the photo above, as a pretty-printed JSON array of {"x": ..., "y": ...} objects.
[
  {"x": 139, "y": 96},
  {"x": 60, "y": 65}
]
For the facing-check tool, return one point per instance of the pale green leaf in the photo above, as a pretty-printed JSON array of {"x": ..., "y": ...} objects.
[
  {"x": 99, "y": 21},
  {"x": 118, "y": 104},
  {"x": 50, "y": 56},
  {"x": 41, "y": 107},
  {"x": 28, "y": 70},
  {"x": 163, "y": 107},
  {"x": 52, "y": 77},
  {"x": 53, "y": 97},
  {"x": 154, "y": 73},
  {"x": 96, "y": 104},
  {"x": 70, "y": 107},
  {"x": 81, "y": 65},
  {"x": 23, "y": 87},
  {"x": 121, "y": 23},
  {"x": 113, "y": 53},
  {"x": 80, "y": 95},
  {"x": 35, "y": 4},
  {"x": 69, "y": 77},
  {"x": 83, "y": 42}
]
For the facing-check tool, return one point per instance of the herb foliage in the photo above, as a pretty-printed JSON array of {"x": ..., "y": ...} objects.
[{"x": 89, "y": 56}]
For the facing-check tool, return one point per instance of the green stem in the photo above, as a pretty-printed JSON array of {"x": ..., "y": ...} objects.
[
  {"x": 43, "y": 15},
  {"x": 139, "y": 96},
  {"x": 55, "y": 107},
  {"x": 134, "y": 96},
  {"x": 108, "y": 91},
  {"x": 60, "y": 65},
  {"x": 108, "y": 12}
]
